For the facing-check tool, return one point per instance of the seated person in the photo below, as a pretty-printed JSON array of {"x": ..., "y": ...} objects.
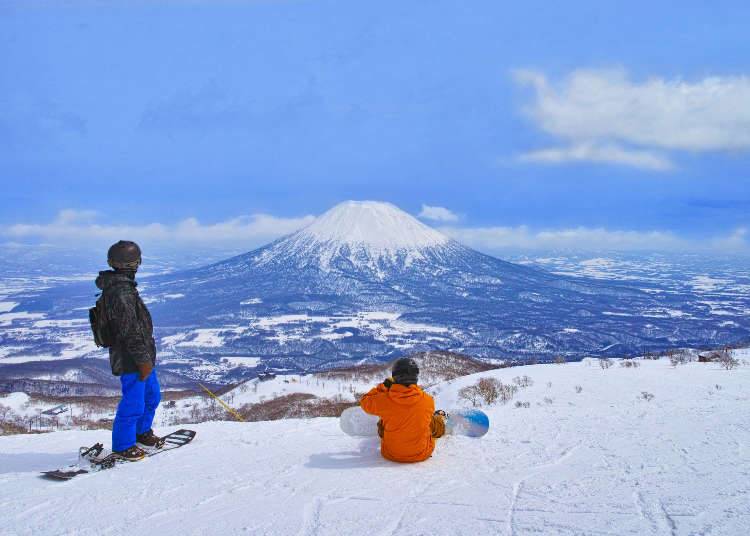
[{"x": 408, "y": 422}]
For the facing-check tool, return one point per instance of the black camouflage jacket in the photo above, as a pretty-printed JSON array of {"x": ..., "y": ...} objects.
[{"x": 131, "y": 330}]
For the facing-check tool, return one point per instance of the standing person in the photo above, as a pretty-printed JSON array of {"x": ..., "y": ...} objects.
[
  {"x": 408, "y": 424},
  {"x": 132, "y": 352}
]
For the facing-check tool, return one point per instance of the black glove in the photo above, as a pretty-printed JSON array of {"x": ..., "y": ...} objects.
[{"x": 388, "y": 382}]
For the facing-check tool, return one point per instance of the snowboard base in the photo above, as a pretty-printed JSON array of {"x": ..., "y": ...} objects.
[
  {"x": 59, "y": 474},
  {"x": 98, "y": 460},
  {"x": 465, "y": 422}
]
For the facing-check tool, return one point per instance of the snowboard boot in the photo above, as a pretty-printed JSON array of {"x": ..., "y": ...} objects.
[
  {"x": 149, "y": 439},
  {"x": 133, "y": 454}
]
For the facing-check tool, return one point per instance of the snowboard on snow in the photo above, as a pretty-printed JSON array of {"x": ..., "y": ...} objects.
[
  {"x": 97, "y": 458},
  {"x": 465, "y": 422}
]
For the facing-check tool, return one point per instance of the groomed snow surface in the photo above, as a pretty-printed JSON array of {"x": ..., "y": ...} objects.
[{"x": 604, "y": 460}]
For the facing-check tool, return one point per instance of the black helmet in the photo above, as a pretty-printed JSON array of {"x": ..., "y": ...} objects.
[
  {"x": 405, "y": 371},
  {"x": 124, "y": 255}
]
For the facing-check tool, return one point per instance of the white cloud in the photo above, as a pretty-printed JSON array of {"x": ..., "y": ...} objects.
[
  {"x": 437, "y": 214},
  {"x": 246, "y": 232},
  {"x": 76, "y": 217},
  {"x": 601, "y": 115},
  {"x": 589, "y": 152},
  {"x": 592, "y": 239},
  {"x": 80, "y": 226},
  {"x": 735, "y": 241}
]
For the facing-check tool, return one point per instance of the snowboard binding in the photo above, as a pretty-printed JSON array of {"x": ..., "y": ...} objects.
[{"x": 91, "y": 453}]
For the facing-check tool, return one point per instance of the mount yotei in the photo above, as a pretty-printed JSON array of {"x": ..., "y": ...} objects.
[{"x": 366, "y": 282}]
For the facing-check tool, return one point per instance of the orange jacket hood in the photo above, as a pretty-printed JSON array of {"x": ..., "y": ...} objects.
[{"x": 405, "y": 396}]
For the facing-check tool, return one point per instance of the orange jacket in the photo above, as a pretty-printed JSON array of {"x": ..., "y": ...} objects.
[{"x": 407, "y": 415}]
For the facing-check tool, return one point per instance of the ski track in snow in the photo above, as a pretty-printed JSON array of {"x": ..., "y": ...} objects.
[{"x": 601, "y": 461}]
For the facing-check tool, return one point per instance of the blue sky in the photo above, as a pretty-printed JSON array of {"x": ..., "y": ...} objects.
[{"x": 591, "y": 124}]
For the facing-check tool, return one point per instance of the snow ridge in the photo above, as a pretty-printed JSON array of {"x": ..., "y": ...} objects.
[
  {"x": 363, "y": 232},
  {"x": 373, "y": 224}
]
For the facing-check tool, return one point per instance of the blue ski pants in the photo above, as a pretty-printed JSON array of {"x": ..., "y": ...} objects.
[{"x": 135, "y": 413}]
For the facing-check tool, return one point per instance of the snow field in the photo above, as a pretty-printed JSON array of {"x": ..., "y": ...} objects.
[
  {"x": 600, "y": 461},
  {"x": 287, "y": 328},
  {"x": 6, "y": 307}
]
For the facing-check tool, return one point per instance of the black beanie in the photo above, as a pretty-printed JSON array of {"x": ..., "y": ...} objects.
[{"x": 405, "y": 371}]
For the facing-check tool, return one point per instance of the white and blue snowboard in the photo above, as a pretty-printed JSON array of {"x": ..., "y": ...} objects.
[
  {"x": 97, "y": 458},
  {"x": 465, "y": 422}
]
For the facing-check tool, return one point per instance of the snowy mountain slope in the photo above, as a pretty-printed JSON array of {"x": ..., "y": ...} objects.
[
  {"x": 337, "y": 385},
  {"x": 328, "y": 389},
  {"x": 602, "y": 461},
  {"x": 367, "y": 282},
  {"x": 366, "y": 234},
  {"x": 72, "y": 377}
]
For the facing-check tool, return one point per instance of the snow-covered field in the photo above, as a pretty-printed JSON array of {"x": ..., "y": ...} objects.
[{"x": 590, "y": 455}]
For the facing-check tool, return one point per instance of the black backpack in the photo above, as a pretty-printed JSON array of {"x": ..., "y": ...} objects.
[{"x": 100, "y": 323}]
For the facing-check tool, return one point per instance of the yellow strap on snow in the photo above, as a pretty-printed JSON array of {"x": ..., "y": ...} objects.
[{"x": 222, "y": 403}]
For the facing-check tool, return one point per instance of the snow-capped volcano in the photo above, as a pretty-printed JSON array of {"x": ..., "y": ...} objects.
[
  {"x": 366, "y": 282},
  {"x": 373, "y": 225},
  {"x": 364, "y": 233}
]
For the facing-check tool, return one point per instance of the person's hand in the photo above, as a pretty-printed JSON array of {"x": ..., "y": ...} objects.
[
  {"x": 388, "y": 382},
  {"x": 144, "y": 369}
]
